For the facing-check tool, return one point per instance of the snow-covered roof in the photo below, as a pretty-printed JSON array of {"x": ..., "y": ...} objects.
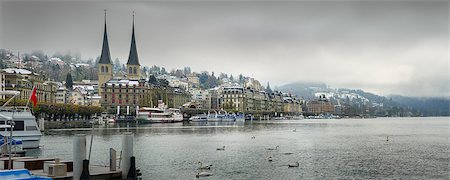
[
  {"x": 17, "y": 71},
  {"x": 123, "y": 82},
  {"x": 54, "y": 59}
]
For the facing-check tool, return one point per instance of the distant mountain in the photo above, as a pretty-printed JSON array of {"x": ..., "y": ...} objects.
[
  {"x": 427, "y": 106},
  {"x": 359, "y": 102}
]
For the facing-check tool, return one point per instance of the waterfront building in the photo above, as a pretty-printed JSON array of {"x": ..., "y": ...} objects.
[
  {"x": 322, "y": 105},
  {"x": 292, "y": 105},
  {"x": 105, "y": 66},
  {"x": 78, "y": 96},
  {"x": 216, "y": 101},
  {"x": 176, "y": 97},
  {"x": 125, "y": 93},
  {"x": 233, "y": 99},
  {"x": 201, "y": 97},
  {"x": 248, "y": 99},
  {"x": 62, "y": 95},
  {"x": 23, "y": 80},
  {"x": 277, "y": 102}
]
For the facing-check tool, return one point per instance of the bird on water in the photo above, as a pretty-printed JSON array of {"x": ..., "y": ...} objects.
[{"x": 203, "y": 174}]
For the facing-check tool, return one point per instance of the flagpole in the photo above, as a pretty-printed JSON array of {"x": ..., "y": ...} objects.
[{"x": 28, "y": 101}]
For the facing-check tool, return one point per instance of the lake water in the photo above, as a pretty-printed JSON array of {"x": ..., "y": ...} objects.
[{"x": 418, "y": 148}]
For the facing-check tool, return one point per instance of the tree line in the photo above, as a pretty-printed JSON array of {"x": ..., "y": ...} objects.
[{"x": 61, "y": 112}]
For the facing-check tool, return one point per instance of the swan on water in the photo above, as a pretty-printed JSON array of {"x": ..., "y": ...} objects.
[
  {"x": 203, "y": 174},
  {"x": 296, "y": 164},
  {"x": 205, "y": 166},
  {"x": 221, "y": 149},
  {"x": 295, "y": 130},
  {"x": 271, "y": 149}
]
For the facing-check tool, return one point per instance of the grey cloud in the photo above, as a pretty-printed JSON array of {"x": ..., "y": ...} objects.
[{"x": 385, "y": 47}]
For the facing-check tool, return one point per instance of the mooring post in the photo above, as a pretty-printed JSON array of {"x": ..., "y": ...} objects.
[
  {"x": 41, "y": 124},
  {"x": 79, "y": 154},
  {"x": 112, "y": 159},
  {"x": 127, "y": 153}
]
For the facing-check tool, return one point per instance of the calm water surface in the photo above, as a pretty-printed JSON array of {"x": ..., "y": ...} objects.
[{"x": 418, "y": 148}]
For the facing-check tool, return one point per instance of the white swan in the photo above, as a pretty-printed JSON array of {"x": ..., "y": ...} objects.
[
  {"x": 203, "y": 174},
  {"x": 271, "y": 149},
  {"x": 221, "y": 149},
  {"x": 205, "y": 166},
  {"x": 296, "y": 164}
]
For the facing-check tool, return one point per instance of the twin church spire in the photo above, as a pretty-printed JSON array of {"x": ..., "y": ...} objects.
[
  {"x": 133, "y": 56},
  {"x": 105, "y": 57},
  {"x": 133, "y": 66}
]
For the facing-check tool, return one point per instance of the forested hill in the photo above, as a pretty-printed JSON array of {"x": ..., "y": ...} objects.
[{"x": 360, "y": 101}]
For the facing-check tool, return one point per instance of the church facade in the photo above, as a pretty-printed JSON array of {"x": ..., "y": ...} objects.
[{"x": 124, "y": 95}]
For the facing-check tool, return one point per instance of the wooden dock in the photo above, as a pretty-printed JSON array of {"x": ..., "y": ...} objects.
[
  {"x": 96, "y": 172},
  {"x": 36, "y": 167}
]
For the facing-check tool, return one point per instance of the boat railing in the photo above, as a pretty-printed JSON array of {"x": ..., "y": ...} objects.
[{"x": 15, "y": 109}]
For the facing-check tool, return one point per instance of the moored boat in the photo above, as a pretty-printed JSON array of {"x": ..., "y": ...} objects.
[
  {"x": 221, "y": 116},
  {"x": 160, "y": 114},
  {"x": 24, "y": 123}
]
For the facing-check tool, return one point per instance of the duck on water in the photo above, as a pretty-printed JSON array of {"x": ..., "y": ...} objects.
[{"x": 271, "y": 149}]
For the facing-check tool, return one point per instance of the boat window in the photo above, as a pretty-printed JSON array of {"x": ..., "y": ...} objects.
[
  {"x": 31, "y": 128},
  {"x": 19, "y": 126}
]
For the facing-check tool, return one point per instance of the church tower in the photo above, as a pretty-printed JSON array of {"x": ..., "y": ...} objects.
[
  {"x": 133, "y": 66},
  {"x": 105, "y": 66}
]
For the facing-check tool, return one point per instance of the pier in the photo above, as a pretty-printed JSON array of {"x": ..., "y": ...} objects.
[{"x": 80, "y": 168}]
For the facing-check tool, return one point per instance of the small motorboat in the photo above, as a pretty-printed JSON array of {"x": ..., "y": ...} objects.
[{"x": 22, "y": 174}]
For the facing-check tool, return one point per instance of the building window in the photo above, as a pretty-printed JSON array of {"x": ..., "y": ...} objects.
[
  {"x": 106, "y": 68},
  {"x": 134, "y": 70},
  {"x": 130, "y": 70},
  {"x": 103, "y": 69}
]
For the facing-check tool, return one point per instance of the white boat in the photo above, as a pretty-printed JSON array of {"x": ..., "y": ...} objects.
[
  {"x": 222, "y": 116},
  {"x": 280, "y": 118},
  {"x": 25, "y": 127},
  {"x": 297, "y": 117},
  {"x": 199, "y": 118},
  {"x": 160, "y": 114}
]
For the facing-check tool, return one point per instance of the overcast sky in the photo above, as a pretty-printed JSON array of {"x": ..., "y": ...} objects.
[{"x": 383, "y": 47}]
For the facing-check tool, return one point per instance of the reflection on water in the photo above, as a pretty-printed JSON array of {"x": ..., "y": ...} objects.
[{"x": 326, "y": 149}]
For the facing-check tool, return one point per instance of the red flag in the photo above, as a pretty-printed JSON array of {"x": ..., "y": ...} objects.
[{"x": 33, "y": 97}]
